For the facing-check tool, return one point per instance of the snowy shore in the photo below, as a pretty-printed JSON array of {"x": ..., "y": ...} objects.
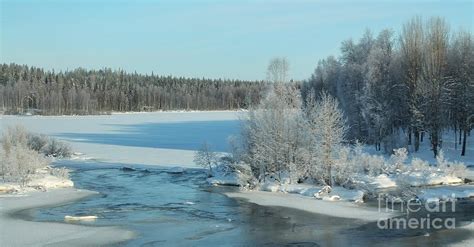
[
  {"x": 336, "y": 209},
  {"x": 15, "y": 231}
]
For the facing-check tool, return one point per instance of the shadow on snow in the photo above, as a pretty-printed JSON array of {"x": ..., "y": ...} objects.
[{"x": 180, "y": 135}]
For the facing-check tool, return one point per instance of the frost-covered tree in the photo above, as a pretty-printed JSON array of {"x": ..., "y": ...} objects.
[
  {"x": 377, "y": 107},
  {"x": 351, "y": 85},
  {"x": 205, "y": 157},
  {"x": 277, "y": 71},
  {"x": 411, "y": 48},
  {"x": 327, "y": 129},
  {"x": 272, "y": 132},
  {"x": 394, "y": 91},
  {"x": 460, "y": 107},
  {"x": 434, "y": 79},
  {"x": 325, "y": 78}
]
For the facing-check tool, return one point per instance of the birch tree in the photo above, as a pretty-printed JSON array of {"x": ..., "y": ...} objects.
[
  {"x": 328, "y": 128},
  {"x": 434, "y": 79}
]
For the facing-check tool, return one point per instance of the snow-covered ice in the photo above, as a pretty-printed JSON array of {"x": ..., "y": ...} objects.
[
  {"x": 437, "y": 193},
  {"x": 13, "y": 230},
  {"x": 157, "y": 138},
  {"x": 341, "y": 209}
]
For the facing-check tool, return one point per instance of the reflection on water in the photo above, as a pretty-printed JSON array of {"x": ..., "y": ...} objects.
[{"x": 181, "y": 210}]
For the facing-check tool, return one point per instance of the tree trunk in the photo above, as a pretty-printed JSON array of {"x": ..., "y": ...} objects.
[
  {"x": 329, "y": 182},
  {"x": 455, "y": 138},
  {"x": 409, "y": 136},
  {"x": 417, "y": 140},
  {"x": 434, "y": 143},
  {"x": 463, "y": 152}
]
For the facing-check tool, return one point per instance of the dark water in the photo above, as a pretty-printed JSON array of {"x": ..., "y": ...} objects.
[{"x": 182, "y": 210}]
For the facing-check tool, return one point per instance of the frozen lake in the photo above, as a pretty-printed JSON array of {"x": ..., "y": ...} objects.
[
  {"x": 161, "y": 138},
  {"x": 181, "y": 209}
]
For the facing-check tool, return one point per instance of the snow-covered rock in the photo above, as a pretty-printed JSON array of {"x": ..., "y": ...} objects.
[
  {"x": 302, "y": 189},
  {"x": 231, "y": 174},
  {"x": 326, "y": 193},
  {"x": 270, "y": 187},
  {"x": 348, "y": 194},
  {"x": 337, "y": 193},
  {"x": 230, "y": 179},
  {"x": 383, "y": 181},
  {"x": 331, "y": 198},
  {"x": 323, "y": 192}
]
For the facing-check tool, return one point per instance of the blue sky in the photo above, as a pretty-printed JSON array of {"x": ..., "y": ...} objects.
[{"x": 217, "y": 39}]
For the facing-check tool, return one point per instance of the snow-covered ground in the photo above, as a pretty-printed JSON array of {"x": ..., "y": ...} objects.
[
  {"x": 451, "y": 150},
  {"x": 157, "y": 138},
  {"x": 339, "y": 209},
  {"x": 20, "y": 232},
  {"x": 40, "y": 181}
]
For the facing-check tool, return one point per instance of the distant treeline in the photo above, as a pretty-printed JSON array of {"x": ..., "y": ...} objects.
[{"x": 28, "y": 89}]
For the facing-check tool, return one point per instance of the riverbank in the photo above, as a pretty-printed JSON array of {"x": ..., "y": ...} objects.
[
  {"x": 15, "y": 231},
  {"x": 340, "y": 209}
]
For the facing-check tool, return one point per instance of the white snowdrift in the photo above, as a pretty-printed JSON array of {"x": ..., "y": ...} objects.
[
  {"x": 237, "y": 175},
  {"x": 42, "y": 181},
  {"x": 18, "y": 232},
  {"x": 336, "y": 193},
  {"x": 229, "y": 179},
  {"x": 48, "y": 182},
  {"x": 341, "y": 209},
  {"x": 412, "y": 178},
  {"x": 440, "y": 193}
]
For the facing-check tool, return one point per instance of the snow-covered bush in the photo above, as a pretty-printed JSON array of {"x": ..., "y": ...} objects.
[
  {"x": 205, "y": 157},
  {"x": 55, "y": 148},
  {"x": 398, "y": 158},
  {"x": 37, "y": 142},
  {"x": 236, "y": 151},
  {"x": 365, "y": 163},
  {"x": 420, "y": 165},
  {"x": 23, "y": 154},
  {"x": 13, "y": 136},
  {"x": 405, "y": 191},
  {"x": 343, "y": 168},
  {"x": 19, "y": 163},
  {"x": 60, "y": 172},
  {"x": 456, "y": 169},
  {"x": 18, "y": 135}
]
